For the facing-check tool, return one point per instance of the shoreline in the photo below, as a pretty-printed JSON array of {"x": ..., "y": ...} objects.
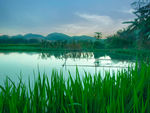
[{"x": 37, "y": 48}]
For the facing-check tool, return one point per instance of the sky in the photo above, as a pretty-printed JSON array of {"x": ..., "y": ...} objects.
[{"x": 72, "y": 17}]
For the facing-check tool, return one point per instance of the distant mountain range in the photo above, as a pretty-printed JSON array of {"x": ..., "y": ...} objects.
[
  {"x": 57, "y": 37},
  {"x": 51, "y": 37}
]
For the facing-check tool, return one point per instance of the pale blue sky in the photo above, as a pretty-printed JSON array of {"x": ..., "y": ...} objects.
[{"x": 73, "y": 17}]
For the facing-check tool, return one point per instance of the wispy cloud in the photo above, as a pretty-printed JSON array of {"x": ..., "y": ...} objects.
[
  {"x": 128, "y": 11},
  {"x": 91, "y": 23},
  {"x": 96, "y": 18}
]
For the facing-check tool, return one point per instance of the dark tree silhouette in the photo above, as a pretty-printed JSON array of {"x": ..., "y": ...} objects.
[
  {"x": 141, "y": 24},
  {"x": 98, "y": 35}
]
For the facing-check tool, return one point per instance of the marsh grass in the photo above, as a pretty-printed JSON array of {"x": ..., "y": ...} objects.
[{"x": 124, "y": 92}]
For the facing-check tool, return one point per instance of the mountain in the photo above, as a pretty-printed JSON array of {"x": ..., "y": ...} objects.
[
  {"x": 4, "y": 37},
  {"x": 28, "y": 36},
  {"x": 17, "y": 37},
  {"x": 61, "y": 37},
  {"x": 33, "y": 36},
  {"x": 58, "y": 37},
  {"x": 51, "y": 37},
  {"x": 83, "y": 38}
]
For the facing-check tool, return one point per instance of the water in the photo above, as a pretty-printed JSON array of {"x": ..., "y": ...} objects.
[{"x": 27, "y": 65}]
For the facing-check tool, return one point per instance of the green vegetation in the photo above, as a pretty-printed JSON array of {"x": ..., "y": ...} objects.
[
  {"x": 124, "y": 92},
  {"x": 41, "y": 49},
  {"x": 137, "y": 34},
  {"x": 98, "y": 35},
  {"x": 140, "y": 26}
]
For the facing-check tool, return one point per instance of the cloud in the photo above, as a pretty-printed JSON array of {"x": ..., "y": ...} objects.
[
  {"x": 129, "y": 11},
  {"x": 96, "y": 18},
  {"x": 90, "y": 23}
]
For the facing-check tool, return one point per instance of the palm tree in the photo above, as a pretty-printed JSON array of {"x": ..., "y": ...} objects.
[
  {"x": 98, "y": 35},
  {"x": 140, "y": 25}
]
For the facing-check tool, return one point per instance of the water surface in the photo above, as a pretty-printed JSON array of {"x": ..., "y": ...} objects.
[{"x": 27, "y": 65}]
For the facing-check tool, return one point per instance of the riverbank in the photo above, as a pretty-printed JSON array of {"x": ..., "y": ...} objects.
[{"x": 39, "y": 48}]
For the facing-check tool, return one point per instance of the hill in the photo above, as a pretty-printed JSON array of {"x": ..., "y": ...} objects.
[
  {"x": 58, "y": 37},
  {"x": 33, "y": 36},
  {"x": 83, "y": 38}
]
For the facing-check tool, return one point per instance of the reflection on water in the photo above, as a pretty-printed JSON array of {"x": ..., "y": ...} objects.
[
  {"x": 73, "y": 55},
  {"x": 12, "y": 64}
]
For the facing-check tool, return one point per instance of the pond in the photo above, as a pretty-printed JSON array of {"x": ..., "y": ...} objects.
[{"x": 28, "y": 64}]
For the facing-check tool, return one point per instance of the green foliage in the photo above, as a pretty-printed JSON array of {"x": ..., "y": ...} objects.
[
  {"x": 74, "y": 45},
  {"x": 98, "y": 35},
  {"x": 124, "y": 92},
  {"x": 99, "y": 45},
  {"x": 140, "y": 26},
  {"x": 118, "y": 41}
]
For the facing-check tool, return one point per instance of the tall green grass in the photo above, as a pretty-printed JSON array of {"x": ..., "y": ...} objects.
[{"x": 126, "y": 92}]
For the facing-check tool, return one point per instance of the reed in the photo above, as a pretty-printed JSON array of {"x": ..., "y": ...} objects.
[{"x": 124, "y": 92}]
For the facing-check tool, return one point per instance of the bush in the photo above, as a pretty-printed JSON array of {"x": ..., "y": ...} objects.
[
  {"x": 118, "y": 42},
  {"x": 98, "y": 45}
]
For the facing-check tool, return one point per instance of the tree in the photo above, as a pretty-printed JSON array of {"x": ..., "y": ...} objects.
[
  {"x": 141, "y": 24},
  {"x": 98, "y": 35}
]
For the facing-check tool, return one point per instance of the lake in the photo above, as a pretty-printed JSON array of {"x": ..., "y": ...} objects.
[{"x": 28, "y": 64}]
